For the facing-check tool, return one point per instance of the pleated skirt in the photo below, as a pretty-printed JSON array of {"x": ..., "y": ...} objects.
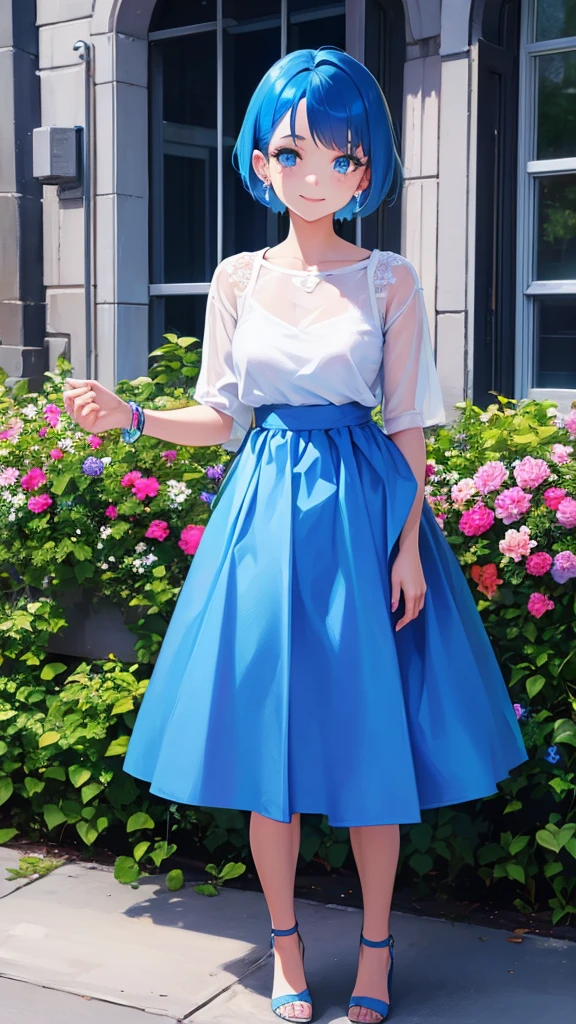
[{"x": 281, "y": 685}]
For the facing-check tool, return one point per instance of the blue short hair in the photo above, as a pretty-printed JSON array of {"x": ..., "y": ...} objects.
[{"x": 340, "y": 94}]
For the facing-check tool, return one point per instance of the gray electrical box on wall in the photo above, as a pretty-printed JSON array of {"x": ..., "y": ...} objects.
[{"x": 57, "y": 156}]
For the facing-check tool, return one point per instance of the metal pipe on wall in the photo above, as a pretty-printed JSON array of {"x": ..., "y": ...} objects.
[{"x": 84, "y": 51}]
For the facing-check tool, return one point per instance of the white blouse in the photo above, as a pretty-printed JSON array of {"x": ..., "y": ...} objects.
[{"x": 357, "y": 333}]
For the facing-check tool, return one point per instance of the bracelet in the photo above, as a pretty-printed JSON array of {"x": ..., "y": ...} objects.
[{"x": 134, "y": 431}]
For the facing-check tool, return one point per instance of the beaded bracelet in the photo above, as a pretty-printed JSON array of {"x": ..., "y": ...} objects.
[{"x": 134, "y": 431}]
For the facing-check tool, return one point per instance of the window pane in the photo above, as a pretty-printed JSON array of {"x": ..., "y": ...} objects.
[
  {"x": 313, "y": 23},
  {"x": 555, "y": 342},
  {"x": 557, "y": 105},
  {"x": 176, "y": 314},
  {"x": 555, "y": 19},
  {"x": 556, "y": 239},
  {"x": 178, "y": 13}
]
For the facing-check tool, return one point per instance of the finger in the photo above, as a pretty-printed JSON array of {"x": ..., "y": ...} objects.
[
  {"x": 90, "y": 410},
  {"x": 396, "y": 588},
  {"x": 71, "y": 396},
  {"x": 83, "y": 400},
  {"x": 71, "y": 382}
]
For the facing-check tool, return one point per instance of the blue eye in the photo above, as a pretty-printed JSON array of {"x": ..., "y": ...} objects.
[
  {"x": 341, "y": 164},
  {"x": 286, "y": 157}
]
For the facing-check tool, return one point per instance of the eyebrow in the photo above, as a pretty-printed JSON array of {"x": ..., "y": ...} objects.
[{"x": 292, "y": 136}]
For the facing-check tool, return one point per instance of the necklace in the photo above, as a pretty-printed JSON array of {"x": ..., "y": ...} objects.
[{"x": 309, "y": 282}]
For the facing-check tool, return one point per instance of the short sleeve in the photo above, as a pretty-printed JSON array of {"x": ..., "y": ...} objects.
[
  {"x": 411, "y": 391},
  {"x": 217, "y": 384}
]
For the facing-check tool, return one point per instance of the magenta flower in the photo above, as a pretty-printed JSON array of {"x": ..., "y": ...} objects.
[
  {"x": 43, "y": 431},
  {"x": 56, "y": 454},
  {"x": 9, "y": 476},
  {"x": 511, "y": 504},
  {"x": 190, "y": 539},
  {"x": 553, "y": 496},
  {"x": 158, "y": 530},
  {"x": 531, "y": 472},
  {"x": 538, "y": 563},
  {"x": 516, "y": 544},
  {"x": 33, "y": 479},
  {"x": 561, "y": 453},
  {"x": 94, "y": 441},
  {"x": 40, "y": 503},
  {"x": 430, "y": 470},
  {"x": 570, "y": 422},
  {"x": 130, "y": 479},
  {"x": 476, "y": 520},
  {"x": 170, "y": 455},
  {"x": 566, "y": 513},
  {"x": 111, "y": 512},
  {"x": 13, "y": 430},
  {"x": 564, "y": 567},
  {"x": 538, "y": 604},
  {"x": 146, "y": 487},
  {"x": 52, "y": 414},
  {"x": 490, "y": 477},
  {"x": 519, "y": 710}
]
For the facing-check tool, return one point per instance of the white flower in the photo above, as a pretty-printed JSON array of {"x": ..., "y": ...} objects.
[
  {"x": 62, "y": 424},
  {"x": 99, "y": 545},
  {"x": 177, "y": 491},
  {"x": 106, "y": 459},
  {"x": 66, "y": 444},
  {"x": 104, "y": 565},
  {"x": 105, "y": 531},
  {"x": 29, "y": 411},
  {"x": 11, "y": 517},
  {"x": 140, "y": 548},
  {"x": 111, "y": 558},
  {"x": 18, "y": 499},
  {"x": 78, "y": 532},
  {"x": 149, "y": 559}
]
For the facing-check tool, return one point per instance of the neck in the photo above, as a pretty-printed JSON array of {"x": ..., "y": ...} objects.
[{"x": 311, "y": 241}]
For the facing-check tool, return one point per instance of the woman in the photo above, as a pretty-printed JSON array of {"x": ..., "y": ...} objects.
[{"x": 325, "y": 654}]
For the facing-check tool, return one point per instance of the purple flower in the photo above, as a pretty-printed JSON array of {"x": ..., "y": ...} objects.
[
  {"x": 207, "y": 497},
  {"x": 93, "y": 466},
  {"x": 215, "y": 472},
  {"x": 552, "y": 755}
]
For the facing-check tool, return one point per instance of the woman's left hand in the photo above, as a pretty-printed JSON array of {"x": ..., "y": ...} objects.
[{"x": 407, "y": 576}]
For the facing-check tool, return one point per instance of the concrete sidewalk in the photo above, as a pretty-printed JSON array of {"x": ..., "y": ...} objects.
[{"x": 76, "y": 946}]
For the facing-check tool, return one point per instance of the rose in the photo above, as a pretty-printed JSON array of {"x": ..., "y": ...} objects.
[
  {"x": 39, "y": 503},
  {"x": 476, "y": 520},
  {"x": 190, "y": 539},
  {"x": 158, "y": 530},
  {"x": 146, "y": 487},
  {"x": 33, "y": 479}
]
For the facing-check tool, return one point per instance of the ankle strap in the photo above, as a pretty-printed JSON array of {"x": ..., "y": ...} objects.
[
  {"x": 287, "y": 931},
  {"x": 385, "y": 942}
]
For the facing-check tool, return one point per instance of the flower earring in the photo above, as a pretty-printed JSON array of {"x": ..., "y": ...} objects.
[
  {"x": 358, "y": 193},
  {"x": 266, "y": 190}
]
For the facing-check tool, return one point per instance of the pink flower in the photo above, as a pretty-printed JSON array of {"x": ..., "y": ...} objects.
[
  {"x": 561, "y": 453},
  {"x": 570, "y": 422},
  {"x": 9, "y": 476},
  {"x": 566, "y": 512},
  {"x": 146, "y": 487},
  {"x": 440, "y": 519},
  {"x": 52, "y": 414},
  {"x": 519, "y": 710},
  {"x": 190, "y": 539},
  {"x": 538, "y": 563},
  {"x": 40, "y": 503},
  {"x": 516, "y": 543},
  {"x": 158, "y": 530},
  {"x": 553, "y": 496},
  {"x": 33, "y": 479},
  {"x": 564, "y": 567},
  {"x": 169, "y": 455},
  {"x": 476, "y": 520},
  {"x": 511, "y": 504},
  {"x": 531, "y": 472},
  {"x": 130, "y": 479},
  {"x": 43, "y": 431},
  {"x": 538, "y": 604},
  {"x": 463, "y": 490},
  {"x": 111, "y": 512},
  {"x": 56, "y": 454},
  {"x": 94, "y": 441},
  {"x": 490, "y": 476},
  {"x": 13, "y": 430}
]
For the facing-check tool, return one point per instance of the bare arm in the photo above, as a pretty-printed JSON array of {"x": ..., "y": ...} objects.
[{"x": 412, "y": 444}]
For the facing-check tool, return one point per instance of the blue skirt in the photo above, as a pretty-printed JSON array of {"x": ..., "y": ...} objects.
[{"x": 281, "y": 685}]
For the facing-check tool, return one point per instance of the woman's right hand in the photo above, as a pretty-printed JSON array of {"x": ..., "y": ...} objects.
[{"x": 93, "y": 407}]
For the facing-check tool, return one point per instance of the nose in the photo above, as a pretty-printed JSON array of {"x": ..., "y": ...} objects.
[{"x": 311, "y": 179}]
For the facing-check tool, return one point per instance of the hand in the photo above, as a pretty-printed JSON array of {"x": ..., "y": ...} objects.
[
  {"x": 407, "y": 575},
  {"x": 93, "y": 407}
]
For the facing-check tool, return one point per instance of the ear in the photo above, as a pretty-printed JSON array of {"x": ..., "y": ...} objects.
[
  {"x": 260, "y": 164},
  {"x": 365, "y": 179}
]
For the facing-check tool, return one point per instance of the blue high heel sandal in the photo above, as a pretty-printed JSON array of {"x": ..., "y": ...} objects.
[
  {"x": 378, "y": 1005},
  {"x": 291, "y": 997}
]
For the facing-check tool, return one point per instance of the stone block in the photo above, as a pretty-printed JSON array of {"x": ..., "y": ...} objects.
[
  {"x": 23, "y": 361},
  {"x": 122, "y": 249},
  {"x": 455, "y": 26},
  {"x": 63, "y": 240},
  {"x": 450, "y": 360},
  {"x": 453, "y": 187},
  {"x": 9, "y": 247},
  {"x": 121, "y": 58},
  {"x": 65, "y": 316},
  {"x": 17, "y": 27},
  {"x": 22, "y": 323},
  {"x": 57, "y": 42},
  {"x": 50, "y": 12},
  {"x": 122, "y": 337},
  {"x": 62, "y": 97},
  {"x": 423, "y": 18},
  {"x": 421, "y": 112},
  {"x": 132, "y": 19},
  {"x": 57, "y": 345},
  {"x": 121, "y": 140}
]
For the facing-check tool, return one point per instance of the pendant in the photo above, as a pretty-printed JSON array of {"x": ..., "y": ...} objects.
[{"x": 307, "y": 283}]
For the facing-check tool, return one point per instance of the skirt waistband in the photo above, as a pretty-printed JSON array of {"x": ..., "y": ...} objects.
[{"x": 311, "y": 417}]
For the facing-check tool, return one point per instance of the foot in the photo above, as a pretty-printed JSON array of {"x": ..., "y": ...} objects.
[
  {"x": 371, "y": 980},
  {"x": 289, "y": 976}
]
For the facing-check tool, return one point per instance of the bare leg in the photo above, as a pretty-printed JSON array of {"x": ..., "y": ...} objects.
[
  {"x": 275, "y": 846},
  {"x": 376, "y": 849}
]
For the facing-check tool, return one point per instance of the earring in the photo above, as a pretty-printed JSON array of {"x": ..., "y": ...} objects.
[
  {"x": 358, "y": 194},
  {"x": 266, "y": 190}
]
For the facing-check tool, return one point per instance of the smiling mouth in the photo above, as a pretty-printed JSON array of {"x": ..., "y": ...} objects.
[{"x": 311, "y": 200}]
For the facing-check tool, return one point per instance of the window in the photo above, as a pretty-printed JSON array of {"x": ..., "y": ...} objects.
[
  {"x": 546, "y": 335},
  {"x": 206, "y": 59}
]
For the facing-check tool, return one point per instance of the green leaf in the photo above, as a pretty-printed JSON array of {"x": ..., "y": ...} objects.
[
  {"x": 53, "y": 816},
  {"x": 516, "y": 872},
  {"x": 60, "y": 483},
  {"x": 421, "y": 835},
  {"x": 518, "y": 844},
  {"x": 123, "y": 705},
  {"x": 78, "y": 775},
  {"x": 564, "y": 834},
  {"x": 161, "y": 852},
  {"x": 553, "y": 867},
  {"x": 118, "y": 746},
  {"x": 174, "y": 880},
  {"x": 139, "y": 820},
  {"x": 571, "y": 847},
  {"x": 421, "y": 862},
  {"x": 232, "y": 870},
  {"x": 564, "y": 731},
  {"x": 55, "y": 773},
  {"x": 86, "y": 832},
  {"x": 206, "y": 889},
  {"x": 88, "y": 792},
  {"x": 534, "y": 684},
  {"x": 47, "y": 738},
  {"x": 547, "y": 840},
  {"x": 514, "y": 805},
  {"x": 33, "y": 785},
  {"x": 6, "y": 834},
  {"x": 126, "y": 870},
  {"x": 140, "y": 850},
  {"x": 490, "y": 853},
  {"x": 52, "y": 669}
]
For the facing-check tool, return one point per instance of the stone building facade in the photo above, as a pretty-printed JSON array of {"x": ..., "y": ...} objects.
[{"x": 481, "y": 92}]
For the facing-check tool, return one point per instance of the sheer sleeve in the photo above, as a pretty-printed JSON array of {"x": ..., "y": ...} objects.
[
  {"x": 411, "y": 389},
  {"x": 217, "y": 384}
]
